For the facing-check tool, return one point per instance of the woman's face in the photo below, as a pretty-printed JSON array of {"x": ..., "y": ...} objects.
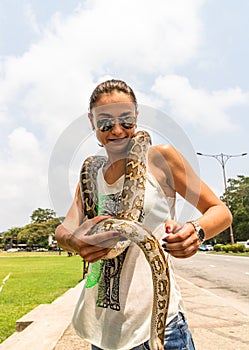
[{"x": 114, "y": 119}]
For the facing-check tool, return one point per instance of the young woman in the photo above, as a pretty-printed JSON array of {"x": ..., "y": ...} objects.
[{"x": 114, "y": 310}]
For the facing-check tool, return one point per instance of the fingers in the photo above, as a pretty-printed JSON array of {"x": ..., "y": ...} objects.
[
  {"x": 182, "y": 241},
  {"x": 94, "y": 254},
  {"x": 93, "y": 250},
  {"x": 104, "y": 239},
  {"x": 93, "y": 247},
  {"x": 87, "y": 225},
  {"x": 183, "y": 249},
  {"x": 99, "y": 218},
  {"x": 172, "y": 226}
]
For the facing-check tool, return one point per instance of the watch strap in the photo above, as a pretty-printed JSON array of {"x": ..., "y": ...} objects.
[{"x": 199, "y": 230}]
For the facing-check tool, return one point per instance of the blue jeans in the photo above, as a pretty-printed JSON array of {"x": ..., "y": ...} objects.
[{"x": 177, "y": 336}]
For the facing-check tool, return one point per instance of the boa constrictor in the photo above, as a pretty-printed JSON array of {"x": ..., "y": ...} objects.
[{"x": 127, "y": 222}]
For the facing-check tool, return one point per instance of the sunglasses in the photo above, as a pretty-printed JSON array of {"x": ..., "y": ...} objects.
[{"x": 107, "y": 124}]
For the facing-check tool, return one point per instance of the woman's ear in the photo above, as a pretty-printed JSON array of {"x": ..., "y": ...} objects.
[
  {"x": 90, "y": 117},
  {"x": 137, "y": 112}
]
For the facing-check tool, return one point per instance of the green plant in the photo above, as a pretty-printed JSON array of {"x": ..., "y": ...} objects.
[
  {"x": 226, "y": 248},
  {"x": 233, "y": 248},
  {"x": 241, "y": 248},
  {"x": 217, "y": 247}
]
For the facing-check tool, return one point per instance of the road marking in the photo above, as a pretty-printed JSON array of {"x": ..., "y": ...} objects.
[
  {"x": 195, "y": 285},
  {"x": 212, "y": 265},
  {"x": 216, "y": 324},
  {"x": 247, "y": 273}
]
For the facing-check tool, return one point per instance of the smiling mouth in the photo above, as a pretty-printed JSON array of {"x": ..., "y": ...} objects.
[{"x": 119, "y": 140}]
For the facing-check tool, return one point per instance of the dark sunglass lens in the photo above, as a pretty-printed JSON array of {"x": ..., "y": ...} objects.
[
  {"x": 105, "y": 124},
  {"x": 128, "y": 122}
]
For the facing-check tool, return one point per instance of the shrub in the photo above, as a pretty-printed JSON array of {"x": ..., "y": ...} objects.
[
  {"x": 241, "y": 248},
  {"x": 234, "y": 248},
  {"x": 226, "y": 248},
  {"x": 217, "y": 247}
]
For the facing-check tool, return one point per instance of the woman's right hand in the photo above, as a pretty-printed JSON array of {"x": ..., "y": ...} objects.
[{"x": 93, "y": 247}]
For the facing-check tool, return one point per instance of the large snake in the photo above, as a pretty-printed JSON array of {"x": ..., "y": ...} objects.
[{"x": 126, "y": 222}]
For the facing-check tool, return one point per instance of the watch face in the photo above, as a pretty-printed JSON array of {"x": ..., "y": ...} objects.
[
  {"x": 201, "y": 235},
  {"x": 199, "y": 231}
]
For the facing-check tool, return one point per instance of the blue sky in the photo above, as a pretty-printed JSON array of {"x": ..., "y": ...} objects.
[{"x": 188, "y": 59}]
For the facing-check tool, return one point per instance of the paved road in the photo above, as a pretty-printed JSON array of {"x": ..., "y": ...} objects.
[{"x": 224, "y": 275}]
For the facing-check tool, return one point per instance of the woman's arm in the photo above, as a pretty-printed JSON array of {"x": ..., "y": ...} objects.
[
  {"x": 73, "y": 219},
  {"x": 216, "y": 217},
  {"x": 73, "y": 234}
]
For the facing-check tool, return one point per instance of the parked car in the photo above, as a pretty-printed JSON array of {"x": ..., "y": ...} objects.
[
  {"x": 203, "y": 248},
  {"x": 209, "y": 247},
  {"x": 245, "y": 243},
  {"x": 12, "y": 250}
]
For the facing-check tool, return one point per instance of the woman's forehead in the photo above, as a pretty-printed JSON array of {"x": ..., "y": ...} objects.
[
  {"x": 114, "y": 109},
  {"x": 114, "y": 96}
]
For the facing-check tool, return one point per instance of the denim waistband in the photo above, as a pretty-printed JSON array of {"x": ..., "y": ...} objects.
[{"x": 176, "y": 319}]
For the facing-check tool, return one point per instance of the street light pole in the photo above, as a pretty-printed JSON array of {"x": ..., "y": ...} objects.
[{"x": 222, "y": 159}]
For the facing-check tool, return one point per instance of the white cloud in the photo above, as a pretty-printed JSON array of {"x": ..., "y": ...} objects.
[
  {"x": 31, "y": 18},
  {"x": 48, "y": 86},
  {"x": 23, "y": 146},
  {"x": 199, "y": 106},
  {"x": 126, "y": 37},
  {"x": 3, "y": 114},
  {"x": 24, "y": 177}
]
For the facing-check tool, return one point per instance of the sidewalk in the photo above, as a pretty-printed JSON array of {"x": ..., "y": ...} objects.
[{"x": 214, "y": 323}]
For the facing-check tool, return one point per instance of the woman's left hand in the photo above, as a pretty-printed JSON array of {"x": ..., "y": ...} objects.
[{"x": 180, "y": 240}]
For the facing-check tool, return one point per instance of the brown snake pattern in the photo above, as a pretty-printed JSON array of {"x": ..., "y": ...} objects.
[{"x": 127, "y": 222}]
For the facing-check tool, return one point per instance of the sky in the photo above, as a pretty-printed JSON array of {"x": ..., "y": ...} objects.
[{"x": 186, "y": 59}]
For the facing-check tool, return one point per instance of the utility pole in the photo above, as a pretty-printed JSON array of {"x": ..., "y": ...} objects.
[{"x": 222, "y": 159}]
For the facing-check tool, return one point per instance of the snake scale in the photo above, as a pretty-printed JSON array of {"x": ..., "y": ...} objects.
[{"x": 127, "y": 222}]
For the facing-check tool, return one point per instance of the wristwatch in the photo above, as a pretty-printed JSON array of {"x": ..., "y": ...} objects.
[{"x": 199, "y": 231}]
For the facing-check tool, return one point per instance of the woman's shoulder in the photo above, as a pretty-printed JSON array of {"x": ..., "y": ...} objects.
[
  {"x": 168, "y": 160},
  {"x": 165, "y": 152},
  {"x": 160, "y": 160}
]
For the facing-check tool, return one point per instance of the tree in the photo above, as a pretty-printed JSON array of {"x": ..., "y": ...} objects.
[
  {"x": 34, "y": 234},
  {"x": 37, "y": 233},
  {"x": 41, "y": 215},
  {"x": 238, "y": 199},
  {"x": 10, "y": 237}
]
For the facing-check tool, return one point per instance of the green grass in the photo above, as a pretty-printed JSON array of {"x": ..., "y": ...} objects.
[
  {"x": 35, "y": 278},
  {"x": 230, "y": 253}
]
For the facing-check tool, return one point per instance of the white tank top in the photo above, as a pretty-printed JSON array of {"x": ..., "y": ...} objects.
[{"x": 114, "y": 309}]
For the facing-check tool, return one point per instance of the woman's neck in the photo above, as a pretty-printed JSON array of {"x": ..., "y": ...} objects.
[{"x": 113, "y": 170}]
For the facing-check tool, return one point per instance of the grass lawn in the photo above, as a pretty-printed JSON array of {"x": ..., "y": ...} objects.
[
  {"x": 35, "y": 278},
  {"x": 230, "y": 253}
]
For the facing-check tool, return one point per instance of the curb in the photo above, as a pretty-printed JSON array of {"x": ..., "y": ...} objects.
[{"x": 42, "y": 327}]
